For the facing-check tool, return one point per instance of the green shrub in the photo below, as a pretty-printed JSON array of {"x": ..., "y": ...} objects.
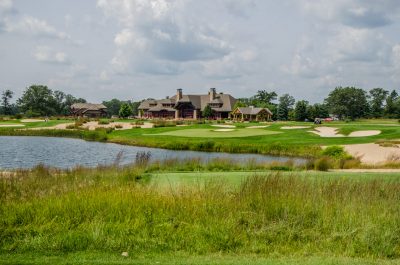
[
  {"x": 104, "y": 122},
  {"x": 71, "y": 126},
  {"x": 336, "y": 152},
  {"x": 205, "y": 145},
  {"x": 310, "y": 164},
  {"x": 323, "y": 164}
]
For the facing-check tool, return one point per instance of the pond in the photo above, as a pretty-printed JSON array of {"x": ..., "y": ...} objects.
[{"x": 29, "y": 151}]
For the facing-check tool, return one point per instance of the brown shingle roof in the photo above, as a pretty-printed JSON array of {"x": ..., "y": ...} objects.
[
  {"x": 88, "y": 106},
  {"x": 252, "y": 110},
  {"x": 198, "y": 101}
]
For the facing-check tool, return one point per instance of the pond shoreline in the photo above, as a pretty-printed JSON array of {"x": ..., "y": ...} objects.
[
  {"x": 201, "y": 146},
  {"x": 23, "y": 152}
]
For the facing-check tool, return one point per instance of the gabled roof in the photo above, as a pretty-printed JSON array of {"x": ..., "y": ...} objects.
[
  {"x": 160, "y": 108},
  {"x": 252, "y": 110},
  {"x": 198, "y": 101},
  {"x": 88, "y": 106}
]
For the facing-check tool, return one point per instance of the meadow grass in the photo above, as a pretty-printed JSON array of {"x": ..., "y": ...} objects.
[
  {"x": 270, "y": 216},
  {"x": 98, "y": 135},
  {"x": 181, "y": 259}
]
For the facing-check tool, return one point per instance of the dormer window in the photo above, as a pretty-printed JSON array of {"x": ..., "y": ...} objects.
[{"x": 215, "y": 105}]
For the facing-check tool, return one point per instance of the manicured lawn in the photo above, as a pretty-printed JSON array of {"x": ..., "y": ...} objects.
[
  {"x": 171, "y": 179},
  {"x": 296, "y": 142},
  {"x": 36, "y": 124},
  {"x": 214, "y": 133}
]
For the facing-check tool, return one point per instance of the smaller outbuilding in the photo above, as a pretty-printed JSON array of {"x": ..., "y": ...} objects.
[
  {"x": 251, "y": 114},
  {"x": 88, "y": 110}
]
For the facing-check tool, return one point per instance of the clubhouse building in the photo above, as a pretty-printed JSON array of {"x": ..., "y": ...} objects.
[{"x": 182, "y": 106}]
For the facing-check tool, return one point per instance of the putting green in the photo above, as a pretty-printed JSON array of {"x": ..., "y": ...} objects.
[{"x": 213, "y": 133}]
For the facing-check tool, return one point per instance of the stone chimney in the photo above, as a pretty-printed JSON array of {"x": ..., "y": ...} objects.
[
  {"x": 178, "y": 94},
  {"x": 212, "y": 93}
]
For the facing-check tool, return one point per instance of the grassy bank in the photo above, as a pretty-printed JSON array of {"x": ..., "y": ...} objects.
[
  {"x": 99, "y": 135},
  {"x": 271, "y": 140},
  {"x": 268, "y": 216}
]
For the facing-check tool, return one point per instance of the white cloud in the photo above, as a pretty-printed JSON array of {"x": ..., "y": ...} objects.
[
  {"x": 47, "y": 55},
  {"x": 6, "y": 5},
  {"x": 362, "y": 45},
  {"x": 104, "y": 76},
  {"x": 124, "y": 37},
  {"x": 36, "y": 27},
  {"x": 157, "y": 36},
  {"x": 354, "y": 13},
  {"x": 396, "y": 62},
  {"x": 231, "y": 66}
]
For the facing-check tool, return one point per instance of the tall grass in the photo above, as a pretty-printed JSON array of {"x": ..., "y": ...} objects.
[
  {"x": 98, "y": 135},
  {"x": 115, "y": 209}
]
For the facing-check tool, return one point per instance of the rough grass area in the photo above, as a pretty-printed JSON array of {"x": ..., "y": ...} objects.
[
  {"x": 214, "y": 133},
  {"x": 264, "y": 217},
  {"x": 178, "y": 258}
]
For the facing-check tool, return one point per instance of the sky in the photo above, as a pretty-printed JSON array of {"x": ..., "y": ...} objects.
[{"x": 135, "y": 49}]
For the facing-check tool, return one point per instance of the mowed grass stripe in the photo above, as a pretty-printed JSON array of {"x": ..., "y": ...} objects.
[{"x": 235, "y": 178}]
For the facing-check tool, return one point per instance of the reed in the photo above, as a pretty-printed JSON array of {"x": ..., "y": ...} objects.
[{"x": 115, "y": 209}]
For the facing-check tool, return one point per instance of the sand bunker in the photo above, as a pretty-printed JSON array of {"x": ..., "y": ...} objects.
[
  {"x": 257, "y": 127},
  {"x": 31, "y": 120},
  {"x": 294, "y": 127},
  {"x": 327, "y": 132},
  {"x": 364, "y": 133},
  {"x": 373, "y": 153},
  {"x": 332, "y": 132},
  {"x": 224, "y": 130},
  {"x": 62, "y": 126},
  {"x": 12, "y": 125},
  {"x": 224, "y": 126}
]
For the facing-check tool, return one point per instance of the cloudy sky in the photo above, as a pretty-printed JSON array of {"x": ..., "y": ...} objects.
[{"x": 134, "y": 49}]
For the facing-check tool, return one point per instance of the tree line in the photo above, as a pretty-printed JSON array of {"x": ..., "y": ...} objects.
[
  {"x": 39, "y": 100},
  {"x": 342, "y": 102}
]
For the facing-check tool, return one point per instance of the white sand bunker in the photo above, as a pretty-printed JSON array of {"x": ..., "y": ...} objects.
[
  {"x": 257, "y": 127},
  {"x": 224, "y": 126},
  {"x": 224, "y": 130},
  {"x": 373, "y": 153},
  {"x": 332, "y": 132},
  {"x": 294, "y": 127},
  {"x": 62, "y": 126},
  {"x": 31, "y": 120},
  {"x": 364, "y": 133},
  {"x": 12, "y": 125}
]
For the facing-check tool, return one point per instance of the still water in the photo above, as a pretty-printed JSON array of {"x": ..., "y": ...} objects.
[{"x": 28, "y": 151}]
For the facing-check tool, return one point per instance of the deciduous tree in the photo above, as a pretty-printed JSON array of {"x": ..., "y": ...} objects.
[
  {"x": 125, "y": 110},
  {"x": 347, "y": 102},
  {"x": 6, "y": 97},
  {"x": 286, "y": 103},
  {"x": 300, "y": 110}
]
